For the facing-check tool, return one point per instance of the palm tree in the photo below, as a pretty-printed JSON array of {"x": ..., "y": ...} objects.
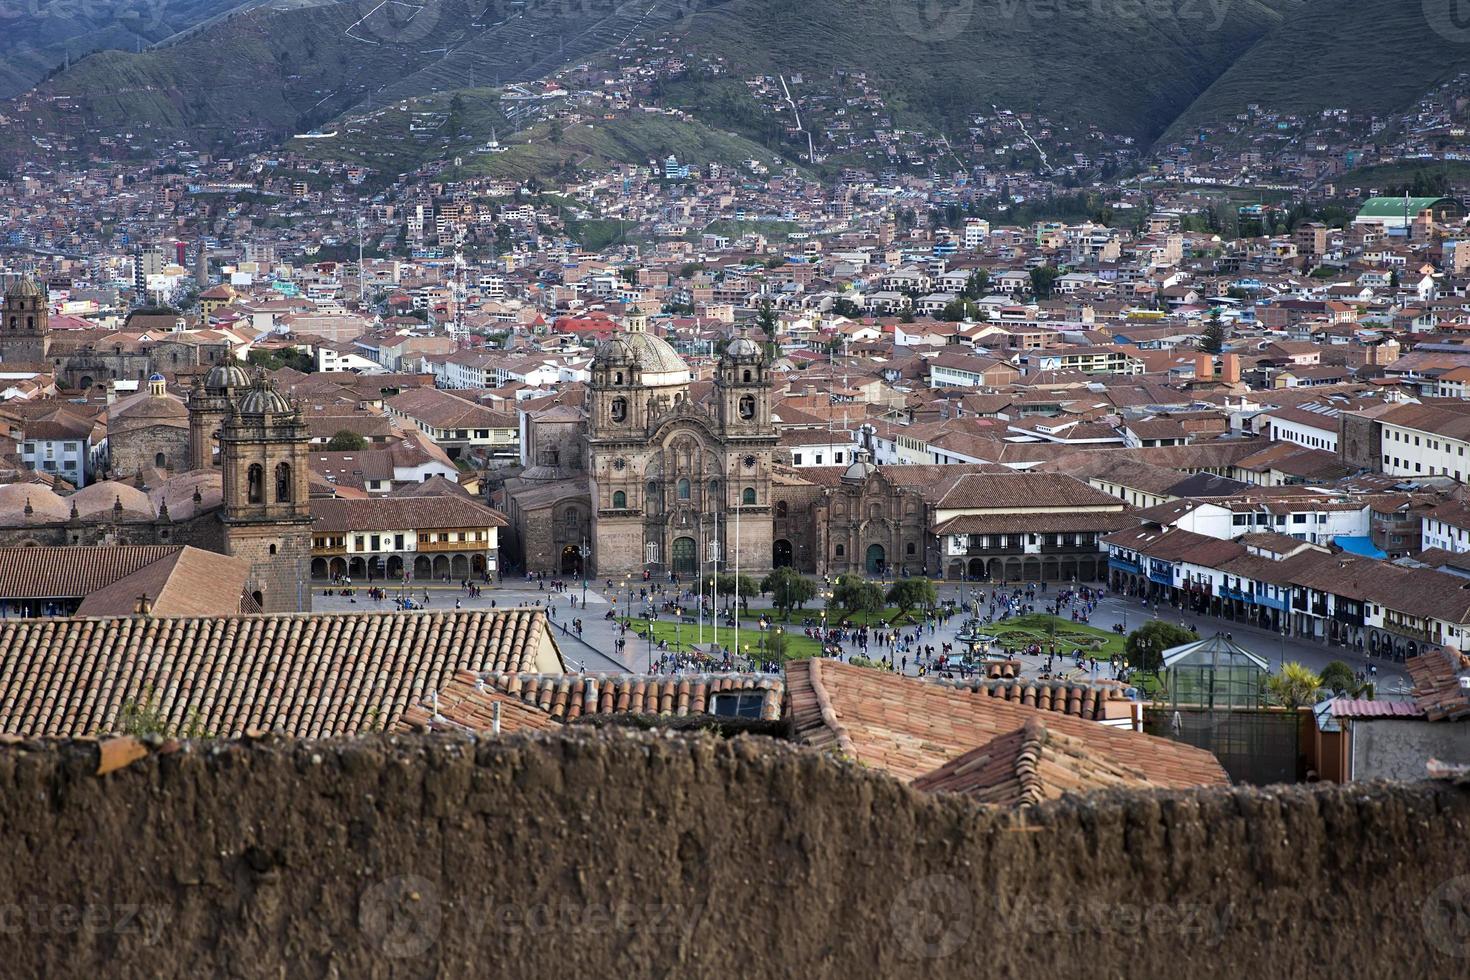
[{"x": 1295, "y": 687}]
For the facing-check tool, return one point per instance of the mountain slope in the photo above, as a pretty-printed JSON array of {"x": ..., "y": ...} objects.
[
  {"x": 1373, "y": 55},
  {"x": 40, "y": 36}
]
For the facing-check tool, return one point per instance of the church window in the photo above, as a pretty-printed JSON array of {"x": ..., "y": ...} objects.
[
  {"x": 747, "y": 407},
  {"x": 746, "y": 378},
  {"x": 620, "y": 499},
  {"x": 30, "y": 323},
  {"x": 283, "y": 483},
  {"x": 683, "y": 489},
  {"x": 618, "y": 378},
  {"x": 909, "y": 548},
  {"x": 273, "y": 549},
  {"x": 780, "y": 508},
  {"x": 714, "y": 491},
  {"x": 841, "y": 550},
  {"x": 653, "y": 498},
  {"x": 619, "y": 409},
  {"x": 160, "y": 460},
  {"x": 255, "y": 484},
  {"x": 747, "y": 496}
]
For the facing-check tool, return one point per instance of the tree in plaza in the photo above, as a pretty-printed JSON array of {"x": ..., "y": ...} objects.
[
  {"x": 857, "y": 595},
  {"x": 1213, "y": 340},
  {"x": 788, "y": 590},
  {"x": 1339, "y": 678},
  {"x": 775, "y": 645},
  {"x": 912, "y": 593},
  {"x": 1145, "y": 646},
  {"x": 1295, "y": 687},
  {"x": 346, "y": 441},
  {"x": 727, "y": 583}
]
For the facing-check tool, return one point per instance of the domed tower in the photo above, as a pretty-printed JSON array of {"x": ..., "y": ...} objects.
[
  {"x": 267, "y": 503},
  {"x": 614, "y": 407},
  {"x": 209, "y": 405},
  {"x": 25, "y": 323},
  {"x": 748, "y": 438},
  {"x": 744, "y": 384}
]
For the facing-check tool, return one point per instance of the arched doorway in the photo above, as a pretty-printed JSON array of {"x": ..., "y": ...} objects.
[
  {"x": 781, "y": 553},
  {"x": 395, "y": 568},
  {"x": 956, "y": 569},
  {"x": 875, "y": 560},
  {"x": 357, "y": 568},
  {"x": 318, "y": 568},
  {"x": 571, "y": 560},
  {"x": 338, "y": 568},
  {"x": 460, "y": 567},
  {"x": 684, "y": 556},
  {"x": 477, "y": 565},
  {"x": 441, "y": 567},
  {"x": 977, "y": 569},
  {"x": 422, "y": 568}
]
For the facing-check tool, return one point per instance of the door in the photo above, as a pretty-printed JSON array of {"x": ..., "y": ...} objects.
[
  {"x": 875, "y": 562},
  {"x": 684, "y": 556}
]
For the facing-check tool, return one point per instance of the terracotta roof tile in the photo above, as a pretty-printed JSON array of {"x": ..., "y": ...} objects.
[{"x": 308, "y": 676}]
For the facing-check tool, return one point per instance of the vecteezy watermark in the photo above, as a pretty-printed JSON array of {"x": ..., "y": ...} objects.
[
  {"x": 1445, "y": 916},
  {"x": 1450, "y": 19},
  {"x": 933, "y": 20},
  {"x": 401, "y": 915},
  {"x": 145, "y": 17},
  {"x": 932, "y": 916},
  {"x": 566, "y": 917},
  {"x": 144, "y": 921},
  {"x": 943, "y": 20},
  {"x": 395, "y": 21}
]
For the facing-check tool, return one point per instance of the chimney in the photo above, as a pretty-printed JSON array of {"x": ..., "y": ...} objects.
[
  {"x": 144, "y": 606},
  {"x": 1204, "y": 367},
  {"x": 1230, "y": 369}
]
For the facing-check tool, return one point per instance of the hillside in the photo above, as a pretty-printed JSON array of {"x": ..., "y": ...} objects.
[
  {"x": 415, "y": 131},
  {"x": 39, "y": 37},
  {"x": 290, "y": 65},
  {"x": 1372, "y": 55}
]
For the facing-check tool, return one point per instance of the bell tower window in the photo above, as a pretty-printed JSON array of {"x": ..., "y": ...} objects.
[
  {"x": 255, "y": 484},
  {"x": 747, "y": 407},
  {"x": 283, "y": 483},
  {"x": 746, "y": 378},
  {"x": 619, "y": 409},
  {"x": 620, "y": 500}
]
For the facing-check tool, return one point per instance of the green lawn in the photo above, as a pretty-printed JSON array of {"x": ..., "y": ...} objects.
[
  {"x": 682, "y": 636},
  {"x": 1020, "y": 631}
]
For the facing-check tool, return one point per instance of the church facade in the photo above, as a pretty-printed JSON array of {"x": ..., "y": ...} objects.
[{"x": 674, "y": 476}]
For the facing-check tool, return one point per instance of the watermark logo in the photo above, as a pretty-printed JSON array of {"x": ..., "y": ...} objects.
[
  {"x": 1450, "y": 19},
  {"x": 147, "y": 922},
  {"x": 931, "y": 21},
  {"x": 401, "y": 915},
  {"x": 395, "y": 21},
  {"x": 1445, "y": 916},
  {"x": 932, "y": 916}
]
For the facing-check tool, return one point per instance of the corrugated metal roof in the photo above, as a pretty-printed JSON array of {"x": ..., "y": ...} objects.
[{"x": 1394, "y": 207}]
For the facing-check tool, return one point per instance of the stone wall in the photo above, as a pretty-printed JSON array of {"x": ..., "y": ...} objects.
[{"x": 611, "y": 853}]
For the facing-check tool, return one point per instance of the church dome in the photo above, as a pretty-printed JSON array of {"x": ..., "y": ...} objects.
[
  {"x": 25, "y": 287},
  {"x": 264, "y": 399},
  {"x": 614, "y": 350},
  {"x": 147, "y": 406},
  {"x": 227, "y": 375},
  {"x": 45, "y": 505},
  {"x": 104, "y": 499},
  {"x": 742, "y": 348},
  {"x": 860, "y": 468}
]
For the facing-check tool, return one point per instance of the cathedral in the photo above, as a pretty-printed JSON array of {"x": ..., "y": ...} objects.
[
  {"x": 659, "y": 474},
  {"x": 246, "y": 494},
  {"x": 25, "y": 324}
]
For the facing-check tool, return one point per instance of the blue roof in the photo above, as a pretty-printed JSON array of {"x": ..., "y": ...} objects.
[{"x": 1359, "y": 546}]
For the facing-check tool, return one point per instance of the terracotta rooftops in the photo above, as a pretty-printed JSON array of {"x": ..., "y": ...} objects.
[
  {"x": 1032, "y": 764},
  {"x": 468, "y": 700},
  {"x": 306, "y": 676},
  {"x": 910, "y": 727},
  {"x": 1093, "y": 700},
  {"x": 1437, "y": 690}
]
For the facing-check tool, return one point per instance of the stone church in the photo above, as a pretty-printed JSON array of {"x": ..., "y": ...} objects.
[
  {"x": 255, "y": 504},
  {"x": 658, "y": 473},
  {"x": 25, "y": 327}
]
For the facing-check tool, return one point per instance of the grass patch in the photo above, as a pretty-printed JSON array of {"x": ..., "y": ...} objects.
[
  {"x": 1022, "y": 631},
  {"x": 683, "y": 636}
]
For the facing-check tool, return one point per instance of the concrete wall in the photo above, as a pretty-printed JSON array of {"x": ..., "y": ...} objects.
[
  {"x": 609, "y": 853},
  {"x": 1398, "y": 748}
]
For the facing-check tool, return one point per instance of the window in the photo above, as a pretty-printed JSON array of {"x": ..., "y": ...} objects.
[
  {"x": 738, "y": 704},
  {"x": 841, "y": 550},
  {"x": 160, "y": 460},
  {"x": 273, "y": 549},
  {"x": 283, "y": 483},
  {"x": 255, "y": 484},
  {"x": 747, "y": 407},
  {"x": 620, "y": 500},
  {"x": 796, "y": 459},
  {"x": 683, "y": 489},
  {"x": 780, "y": 508},
  {"x": 747, "y": 496},
  {"x": 619, "y": 409},
  {"x": 908, "y": 549}
]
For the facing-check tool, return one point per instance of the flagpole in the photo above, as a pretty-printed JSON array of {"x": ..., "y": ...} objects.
[{"x": 738, "y": 508}]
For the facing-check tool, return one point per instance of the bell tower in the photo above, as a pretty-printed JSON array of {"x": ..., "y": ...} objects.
[
  {"x": 744, "y": 385},
  {"x": 267, "y": 503},
  {"x": 25, "y": 323},
  {"x": 210, "y": 403},
  {"x": 618, "y": 404}
]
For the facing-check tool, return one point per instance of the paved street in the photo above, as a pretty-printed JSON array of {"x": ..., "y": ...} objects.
[{"x": 596, "y": 650}]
